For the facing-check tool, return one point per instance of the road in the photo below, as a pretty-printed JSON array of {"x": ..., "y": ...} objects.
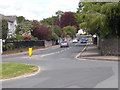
[{"x": 60, "y": 69}]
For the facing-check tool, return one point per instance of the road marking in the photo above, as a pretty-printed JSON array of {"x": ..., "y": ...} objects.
[{"x": 35, "y": 56}]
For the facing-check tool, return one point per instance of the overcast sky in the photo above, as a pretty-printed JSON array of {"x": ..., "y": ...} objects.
[{"x": 36, "y": 9}]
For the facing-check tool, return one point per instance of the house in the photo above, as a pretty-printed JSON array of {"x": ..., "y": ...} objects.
[{"x": 12, "y": 23}]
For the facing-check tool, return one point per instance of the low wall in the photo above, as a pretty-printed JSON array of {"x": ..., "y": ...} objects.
[
  {"x": 48, "y": 43},
  {"x": 110, "y": 47},
  {"x": 18, "y": 44}
]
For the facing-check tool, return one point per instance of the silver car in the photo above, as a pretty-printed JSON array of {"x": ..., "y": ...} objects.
[{"x": 64, "y": 44}]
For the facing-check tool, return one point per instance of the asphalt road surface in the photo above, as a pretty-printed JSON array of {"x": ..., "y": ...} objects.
[{"x": 60, "y": 69}]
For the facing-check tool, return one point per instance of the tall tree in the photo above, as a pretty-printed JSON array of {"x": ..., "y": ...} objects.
[
  {"x": 70, "y": 31},
  {"x": 48, "y": 21},
  {"x": 100, "y": 18},
  {"x": 4, "y": 24},
  {"x": 20, "y": 19},
  {"x": 55, "y": 32},
  {"x": 24, "y": 28},
  {"x": 68, "y": 19},
  {"x": 41, "y": 31}
]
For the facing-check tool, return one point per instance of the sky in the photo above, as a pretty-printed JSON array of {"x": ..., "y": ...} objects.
[{"x": 36, "y": 9}]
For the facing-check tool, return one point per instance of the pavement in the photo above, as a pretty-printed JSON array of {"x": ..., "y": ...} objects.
[{"x": 91, "y": 52}]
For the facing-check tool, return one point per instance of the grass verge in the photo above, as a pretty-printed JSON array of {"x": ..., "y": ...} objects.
[{"x": 11, "y": 70}]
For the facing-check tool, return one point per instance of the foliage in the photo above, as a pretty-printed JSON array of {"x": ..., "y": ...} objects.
[
  {"x": 69, "y": 31},
  {"x": 17, "y": 37},
  {"x": 34, "y": 38},
  {"x": 55, "y": 32},
  {"x": 27, "y": 37},
  {"x": 9, "y": 46},
  {"x": 40, "y": 31},
  {"x": 4, "y": 29},
  {"x": 68, "y": 19},
  {"x": 48, "y": 21},
  {"x": 24, "y": 28},
  {"x": 53, "y": 36},
  {"x": 59, "y": 13},
  {"x": 112, "y": 12},
  {"x": 100, "y": 18},
  {"x": 20, "y": 19}
]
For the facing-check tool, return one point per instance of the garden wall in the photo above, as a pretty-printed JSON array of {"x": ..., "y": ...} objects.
[
  {"x": 110, "y": 47},
  {"x": 18, "y": 44}
]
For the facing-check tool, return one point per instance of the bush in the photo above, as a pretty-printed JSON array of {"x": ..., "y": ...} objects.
[
  {"x": 34, "y": 38},
  {"x": 17, "y": 37},
  {"x": 9, "y": 46}
]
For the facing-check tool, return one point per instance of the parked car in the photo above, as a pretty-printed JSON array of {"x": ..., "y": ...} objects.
[
  {"x": 75, "y": 41},
  {"x": 64, "y": 44},
  {"x": 84, "y": 40}
]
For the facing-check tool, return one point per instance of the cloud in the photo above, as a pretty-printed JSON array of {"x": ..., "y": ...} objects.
[{"x": 36, "y": 9}]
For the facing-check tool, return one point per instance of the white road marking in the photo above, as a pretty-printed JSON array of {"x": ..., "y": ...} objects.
[{"x": 34, "y": 56}]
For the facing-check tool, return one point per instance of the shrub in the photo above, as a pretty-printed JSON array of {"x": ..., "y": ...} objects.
[{"x": 9, "y": 46}]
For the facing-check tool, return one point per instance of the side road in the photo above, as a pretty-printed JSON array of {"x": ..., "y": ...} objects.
[{"x": 91, "y": 52}]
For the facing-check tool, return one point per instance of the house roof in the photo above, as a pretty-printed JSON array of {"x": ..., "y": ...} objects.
[
  {"x": 11, "y": 18},
  {"x": 1, "y": 16}
]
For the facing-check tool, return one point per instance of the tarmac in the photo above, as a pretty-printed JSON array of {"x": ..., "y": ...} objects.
[{"x": 91, "y": 52}]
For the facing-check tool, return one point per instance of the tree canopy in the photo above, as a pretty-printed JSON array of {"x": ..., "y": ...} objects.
[
  {"x": 100, "y": 17},
  {"x": 68, "y": 19},
  {"x": 70, "y": 31},
  {"x": 24, "y": 28},
  {"x": 40, "y": 31}
]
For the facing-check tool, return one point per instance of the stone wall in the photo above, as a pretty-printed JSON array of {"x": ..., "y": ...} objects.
[
  {"x": 48, "y": 43},
  {"x": 109, "y": 47}
]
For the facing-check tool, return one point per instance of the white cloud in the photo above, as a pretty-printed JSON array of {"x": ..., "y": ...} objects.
[{"x": 36, "y": 9}]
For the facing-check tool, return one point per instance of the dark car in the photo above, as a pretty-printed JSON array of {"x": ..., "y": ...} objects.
[{"x": 84, "y": 40}]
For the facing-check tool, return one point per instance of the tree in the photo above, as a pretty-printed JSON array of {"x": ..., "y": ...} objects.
[
  {"x": 70, "y": 31},
  {"x": 24, "y": 28},
  {"x": 55, "y": 32},
  {"x": 40, "y": 31},
  {"x": 21, "y": 19},
  {"x": 4, "y": 29},
  {"x": 58, "y": 13},
  {"x": 48, "y": 21},
  {"x": 53, "y": 36},
  {"x": 100, "y": 18},
  {"x": 68, "y": 19}
]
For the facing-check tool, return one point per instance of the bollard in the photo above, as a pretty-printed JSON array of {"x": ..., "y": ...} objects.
[{"x": 30, "y": 51}]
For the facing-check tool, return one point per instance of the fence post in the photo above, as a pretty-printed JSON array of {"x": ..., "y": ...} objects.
[{"x": 1, "y": 46}]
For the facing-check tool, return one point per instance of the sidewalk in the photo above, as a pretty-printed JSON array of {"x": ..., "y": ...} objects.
[{"x": 91, "y": 52}]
